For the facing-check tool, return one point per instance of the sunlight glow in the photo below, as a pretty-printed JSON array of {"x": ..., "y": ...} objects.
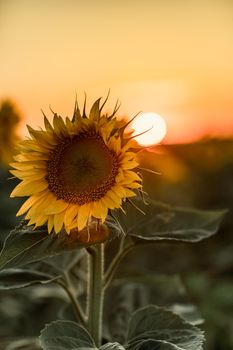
[{"x": 153, "y": 127}]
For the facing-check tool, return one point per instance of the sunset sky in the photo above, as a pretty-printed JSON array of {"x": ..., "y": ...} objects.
[{"x": 171, "y": 57}]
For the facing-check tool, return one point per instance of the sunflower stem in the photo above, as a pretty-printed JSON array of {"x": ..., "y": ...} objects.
[{"x": 95, "y": 294}]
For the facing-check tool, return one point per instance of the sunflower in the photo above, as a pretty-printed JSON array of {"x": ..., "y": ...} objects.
[{"x": 76, "y": 170}]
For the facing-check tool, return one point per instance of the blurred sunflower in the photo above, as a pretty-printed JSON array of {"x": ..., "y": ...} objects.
[{"x": 76, "y": 170}]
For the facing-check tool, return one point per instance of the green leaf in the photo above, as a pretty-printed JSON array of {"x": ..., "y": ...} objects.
[
  {"x": 20, "y": 278},
  {"x": 26, "y": 245},
  {"x": 120, "y": 303},
  {"x": 155, "y": 323},
  {"x": 164, "y": 222},
  {"x": 22, "y": 344},
  {"x": 112, "y": 346},
  {"x": 59, "y": 264},
  {"x": 155, "y": 345},
  {"x": 65, "y": 335},
  {"x": 189, "y": 312}
]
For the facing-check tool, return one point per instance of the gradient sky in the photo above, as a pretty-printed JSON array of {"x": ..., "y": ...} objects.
[{"x": 171, "y": 57}]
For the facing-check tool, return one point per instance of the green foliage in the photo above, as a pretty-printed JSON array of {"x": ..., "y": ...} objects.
[
  {"x": 26, "y": 245},
  {"x": 128, "y": 294},
  {"x": 149, "y": 328},
  {"x": 20, "y": 278},
  {"x": 158, "y": 324},
  {"x": 112, "y": 346},
  {"x": 155, "y": 345},
  {"x": 8, "y": 207},
  {"x": 164, "y": 222},
  {"x": 65, "y": 335},
  {"x": 56, "y": 258}
]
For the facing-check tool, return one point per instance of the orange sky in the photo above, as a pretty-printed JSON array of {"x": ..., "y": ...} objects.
[{"x": 170, "y": 57}]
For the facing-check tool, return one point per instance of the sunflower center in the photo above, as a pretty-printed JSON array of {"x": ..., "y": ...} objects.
[{"x": 82, "y": 169}]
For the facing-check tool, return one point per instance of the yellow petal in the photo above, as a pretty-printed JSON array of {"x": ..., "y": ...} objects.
[
  {"x": 47, "y": 200},
  {"x": 129, "y": 193},
  {"x": 68, "y": 229},
  {"x": 47, "y": 124},
  {"x": 135, "y": 185},
  {"x": 83, "y": 215},
  {"x": 126, "y": 181},
  {"x": 28, "y": 204},
  {"x": 36, "y": 156},
  {"x": 26, "y": 175},
  {"x": 50, "y": 223},
  {"x": 109, "y": 203},
  {"x": 42, "y": 137},
  {"x": 56, "y": 206},
  {"x": 20, "y": 157},
  {"x": 115, "y": 144},
  {"x": 120, "y": 176},
  {"x": 71, "y": 214},
  {"x": 58, "y": 221},
  {"x": 118, "y": 145},
  {"x": 130, "y": 144},
  {"x": 131, "y": 175},
  {"x": 118, "y": 190},
  {"x": 104, "y": 212},
  {"x": 129, "y": 164},
  {"x": 38, "y": 208},
  {"x": 69, "y": 125},
  {"x": 116, "y": 199},
  {"x": 98, "y": 209},
  {"x": 29, "y": 165},
  {"x": 95, "y": 111},
  {"x": 128, "y": 156},
  {"x": 59, "y": 126},
  {"x": 41, "y": 220},
  {"x": 27, "y": 188},
  {"x": 32, "y": 145}
]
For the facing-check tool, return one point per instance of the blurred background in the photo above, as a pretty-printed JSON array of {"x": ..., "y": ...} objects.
[{"x": 170, "y": 57}]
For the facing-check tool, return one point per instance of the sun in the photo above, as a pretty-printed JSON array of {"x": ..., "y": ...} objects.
[{"x": 150, "y": 127}]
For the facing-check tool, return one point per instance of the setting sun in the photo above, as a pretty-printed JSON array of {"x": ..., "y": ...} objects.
[{"x": 150, "y": 127}]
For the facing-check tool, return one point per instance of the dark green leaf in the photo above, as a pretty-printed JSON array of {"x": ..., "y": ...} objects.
[
  {"x": 25, "y": 245},
  {"x": 155, "y": 323},
  {"x": 189, "y": 312},
  {"x": 120, "y": 303},
  {"x": 19, "y": 278},
  {"x": 112, "y": 346},
  {"x": 155, "y": 345},
  {"x": 65, "y": 335},
  {"x": 164, "y": 222},
  {"x": 65, "y": 261},
  {"x": 22, "y": 344}
]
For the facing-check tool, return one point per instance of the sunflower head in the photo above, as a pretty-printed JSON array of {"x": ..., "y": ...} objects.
[{"x": 76, "y": 170}]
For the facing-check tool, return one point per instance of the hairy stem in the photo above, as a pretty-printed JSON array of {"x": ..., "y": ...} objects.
[{"x": 95, "y": 295}]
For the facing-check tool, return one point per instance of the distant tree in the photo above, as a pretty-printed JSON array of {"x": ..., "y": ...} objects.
[{"x": 9, "y": 120}]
